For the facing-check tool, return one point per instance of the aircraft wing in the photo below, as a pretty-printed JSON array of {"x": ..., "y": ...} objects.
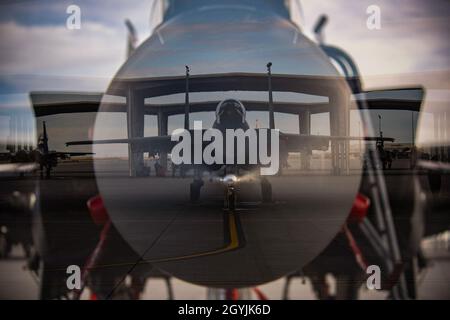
[
  {"x": 143, "y": 144},
  {"x": 20, "y": 167},
  {"x": 297, "y": 142},
  {"x": 438, "y": 166},
  {"x": 293, "y": 142},
  {"x": 71, "y": 154}
]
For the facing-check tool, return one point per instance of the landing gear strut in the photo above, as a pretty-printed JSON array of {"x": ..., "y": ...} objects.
[
  {"x": 195, "y": 188},
  {"x": 45, "y": 169},
  {"x": 48, "y": 170},
  {"x": 230, "y": 198},
  {"x": 266, "y": 190}
]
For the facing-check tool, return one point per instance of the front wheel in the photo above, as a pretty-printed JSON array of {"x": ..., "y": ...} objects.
[
  {"x": 48, "y": 171},
  {"x": 5, "y": 246},
  {"x": 194, "y": 190},
  {"x": 231, "y": 199},
  {"x": 266, "y": 190}
]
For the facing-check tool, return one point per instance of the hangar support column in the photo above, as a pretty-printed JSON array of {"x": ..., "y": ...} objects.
[
  {"x": 30, "y": 134},
  {"x": 135, "y": 129},
  {"x": 435, "y": 148},
  {"x": 21, "y": 131},
  {"x": 447, "y": 134},
  {"x": 305, "y": 128},
  {"x": 14, "y": 133},
  {"x": 339, "y": 125},
  {"x": 440, "y": 136},
  {"x": 444, "y": 135},
  {"x": 441, "y": 121},
  {"x": 10, "y": 141},
  {"x": 163, "y": 131}
]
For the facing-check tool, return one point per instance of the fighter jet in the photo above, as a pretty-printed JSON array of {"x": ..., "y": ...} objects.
[
  {"x": 227, "y": 43},
  {"x": 25, "y": 161},
  {"x": 48, "y": 159},
  {"x": 231, "y": 118}
]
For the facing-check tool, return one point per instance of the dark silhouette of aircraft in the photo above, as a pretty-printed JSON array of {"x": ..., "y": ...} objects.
[
  {"x": 48, "y": 159},
  {"x": 230, "y": 115},
  {"x": 385, "y": 155},
  {"x": 42, "y": 157}
]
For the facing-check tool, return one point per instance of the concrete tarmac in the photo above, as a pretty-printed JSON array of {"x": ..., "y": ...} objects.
[{"x": 155, "y": 216}]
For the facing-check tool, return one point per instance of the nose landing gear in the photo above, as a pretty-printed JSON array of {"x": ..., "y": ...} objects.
[
  {"x": 230, "y": 198},
  {"x": 195, "y": 188},
  {"x": 266, "y": 190}
]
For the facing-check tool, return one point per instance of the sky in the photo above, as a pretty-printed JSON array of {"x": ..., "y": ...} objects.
[{"x": 38, "y": 52}]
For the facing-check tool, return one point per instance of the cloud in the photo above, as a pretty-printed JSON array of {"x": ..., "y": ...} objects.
[
  {"x": 412, "y": 36},
  {"x": 95, "y": 50},
  {"x": 50, "y": 12}
]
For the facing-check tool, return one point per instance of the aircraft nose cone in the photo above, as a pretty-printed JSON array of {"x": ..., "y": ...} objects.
[{"x": 174, "y": 218}]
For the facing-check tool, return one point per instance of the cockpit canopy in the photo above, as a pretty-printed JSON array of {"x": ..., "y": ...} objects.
[{"x": 230, "y": 108}]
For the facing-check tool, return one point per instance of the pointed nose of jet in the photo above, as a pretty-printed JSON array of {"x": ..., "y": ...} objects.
[{"x": 178, "y": 224}]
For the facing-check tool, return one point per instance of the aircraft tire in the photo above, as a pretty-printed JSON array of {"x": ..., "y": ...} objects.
[
  {"x": 435, "y": 182},
  {"x": 5, "y": 246},
  {"x": 266, "y": 190},
  {"x": 52, "y": 284},
  {"x": 194, "y": 191},
  {"x": 231, "y": 200},
  {"x": 47, "y": 172}
]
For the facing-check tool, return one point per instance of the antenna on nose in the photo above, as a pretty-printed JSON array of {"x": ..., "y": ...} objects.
[
  {"x": 271, "y": 113},
  {"x": 186, "y": 103},
  {"x": 319, "y": 26}
]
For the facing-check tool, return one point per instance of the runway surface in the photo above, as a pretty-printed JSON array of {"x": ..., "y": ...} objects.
[
  {"x": 434, "y": 283},
  {"x": 202, "y": 242}
]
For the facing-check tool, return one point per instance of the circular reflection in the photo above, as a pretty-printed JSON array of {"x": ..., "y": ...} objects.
[{"x": 228, "y": 225}]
